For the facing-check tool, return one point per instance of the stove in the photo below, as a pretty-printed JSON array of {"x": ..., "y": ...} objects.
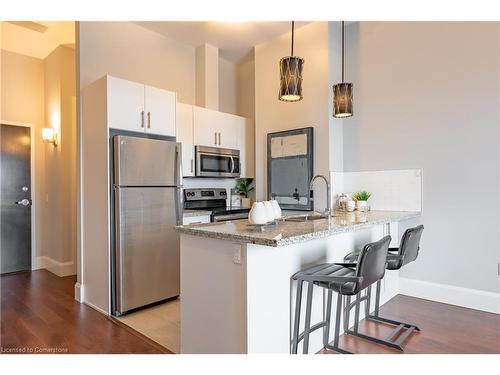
[{"x": 213, "y": 200}]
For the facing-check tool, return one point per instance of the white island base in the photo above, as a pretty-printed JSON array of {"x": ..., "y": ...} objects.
[{"x": 239, "y": 298}]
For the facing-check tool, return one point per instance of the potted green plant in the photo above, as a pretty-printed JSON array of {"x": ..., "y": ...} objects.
[
  {"x": 361, "y": 198},
  {"x": 243, "y": 188}
]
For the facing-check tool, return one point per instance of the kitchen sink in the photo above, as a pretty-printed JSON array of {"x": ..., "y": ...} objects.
[{"x": 309, "y": 217}]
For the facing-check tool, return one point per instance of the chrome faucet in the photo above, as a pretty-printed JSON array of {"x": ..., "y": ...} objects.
[{"x": 328, "y": 209}]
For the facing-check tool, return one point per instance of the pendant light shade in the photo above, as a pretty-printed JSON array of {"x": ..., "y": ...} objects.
[
  {"x": 342, "y": 92},
  {"x": 342, "y": 100},
  {"x": 291, "y": 76}
]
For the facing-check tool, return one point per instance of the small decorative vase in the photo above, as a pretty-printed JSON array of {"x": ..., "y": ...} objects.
[
  {"x": 361, "y": 205},
  {"x": 269, "y": 211},
  {"x": 277, "y": 209},
  {"x": 257, "y": 214},
  {"x": 246, "y": 202}
]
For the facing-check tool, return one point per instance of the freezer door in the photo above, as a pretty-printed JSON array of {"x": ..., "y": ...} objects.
[
  {"x": 147, "y": 246},
  {"x": 146, "y": 162}
]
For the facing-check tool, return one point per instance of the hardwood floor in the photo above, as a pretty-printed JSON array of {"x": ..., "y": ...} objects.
[
  {"x": 39, "y": 314},
  {"x": 445, "y": 329}
]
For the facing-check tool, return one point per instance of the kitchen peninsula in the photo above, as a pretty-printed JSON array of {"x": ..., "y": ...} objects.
[{"x": 235, "y": 280}]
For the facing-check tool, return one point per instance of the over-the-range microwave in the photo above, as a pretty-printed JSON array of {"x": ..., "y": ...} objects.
[{"x": 217, "y": 162}]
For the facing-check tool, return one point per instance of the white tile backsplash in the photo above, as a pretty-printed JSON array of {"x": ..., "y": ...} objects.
[{"x": 396, "y": 190}]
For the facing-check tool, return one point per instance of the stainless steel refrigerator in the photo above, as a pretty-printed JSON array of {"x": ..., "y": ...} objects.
[{"x": 147, "y": 206}]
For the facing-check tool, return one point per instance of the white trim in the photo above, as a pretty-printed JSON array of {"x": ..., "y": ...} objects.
[
  {"x": 34, "y": 248},
  {"x": 60, "y": 269},
  {"x": 453, "y": 295},
  {"x": 79, "y": 292}
]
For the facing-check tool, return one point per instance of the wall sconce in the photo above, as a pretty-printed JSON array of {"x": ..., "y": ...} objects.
[{"x": 49, "y": 135}]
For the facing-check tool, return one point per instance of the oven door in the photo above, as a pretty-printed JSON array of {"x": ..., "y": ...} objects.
[{"x": 217, "y": 162}]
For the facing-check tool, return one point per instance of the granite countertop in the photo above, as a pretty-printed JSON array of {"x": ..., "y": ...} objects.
[
  {"x": 290, "y": 232},
  {"x": 193, "y": 213}
]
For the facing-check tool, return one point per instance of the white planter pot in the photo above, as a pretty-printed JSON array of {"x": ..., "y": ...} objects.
[{"x": 361, "y": 205}]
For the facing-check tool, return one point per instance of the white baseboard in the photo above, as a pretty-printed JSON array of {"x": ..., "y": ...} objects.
[
  {"x": 453, "y": 295},
  {"x": 60, "y": 269},
  {"x": 79, "y": 292}
]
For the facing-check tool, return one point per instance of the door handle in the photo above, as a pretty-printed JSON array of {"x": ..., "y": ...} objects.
[
  {"x": 149, "y": 120},
  {"x": 219, "y": 139},
  {"x": 192, "y": 165},
  {"x": 24, "y": 202},
  {"x": 215, "y": 140},
  {"x": 142, "y": 119}
]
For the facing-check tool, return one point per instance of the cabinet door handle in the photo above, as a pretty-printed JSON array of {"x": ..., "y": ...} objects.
[
  {"x": 192, "y": 165},
  {"x": 219, "y": 139},
  {"x": 142, "y": 119},
  {"x": 149, "y": 120},
  {"x": 215, "y": 140}
]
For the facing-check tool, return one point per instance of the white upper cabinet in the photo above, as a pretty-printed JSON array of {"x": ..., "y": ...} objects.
[
  {"x": 136, "y": 107},
  {"x": 213, "y": 128},
  {"x": 160, "y": 111},
  {"x": 184, "y": 131},
  {"x": 125, "y": 104}
]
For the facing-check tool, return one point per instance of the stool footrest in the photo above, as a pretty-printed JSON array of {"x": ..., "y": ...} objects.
[
  {"x": 376, "y": 339},
  {"x": 312, "y": 329},
  {"x": 379, "y": 319},
  {"x": 337, "y": 349}
]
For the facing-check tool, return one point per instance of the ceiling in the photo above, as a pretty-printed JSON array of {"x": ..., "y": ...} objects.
[
  {"x": 235, "y": 40},
  {"x": 37, "y": 39}
]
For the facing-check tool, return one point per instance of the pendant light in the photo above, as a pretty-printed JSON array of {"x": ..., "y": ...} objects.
[
  {"x": 291, "y": 76},
  {"x": 342, "y": 92}
]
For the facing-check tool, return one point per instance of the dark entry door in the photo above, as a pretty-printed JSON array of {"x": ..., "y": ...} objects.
[{"x": 15, "y": 181}]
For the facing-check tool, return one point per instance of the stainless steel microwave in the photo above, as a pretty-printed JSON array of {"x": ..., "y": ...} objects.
[{"x": 217, "y": 162}]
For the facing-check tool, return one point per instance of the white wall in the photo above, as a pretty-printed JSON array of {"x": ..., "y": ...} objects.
[
  {"x": 427, "y": 96},
  {"x": 245, "y": 72},
  {"x": 129, "y": 51},
  {"x": 228, "y": 94},
  {"x": 311, "y": 43}
]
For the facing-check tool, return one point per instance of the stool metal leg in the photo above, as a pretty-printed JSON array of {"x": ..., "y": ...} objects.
[
  {"x": 347, "y": 311},
  {"x": 377, "y": 298},
  {"x": 356, "y": 312},
  {"x": 298, "y": 303},
  {"x": 368, "y": 301},
  {"x": 338, "y": 315},
  {"x": 307, "y": 327},
  {"x": 326, "y": 331}
]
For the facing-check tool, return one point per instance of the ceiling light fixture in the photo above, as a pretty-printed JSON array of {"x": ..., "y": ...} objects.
[
  {"x": 342, "y": 92},
  {"x": 291, "y": 76}
]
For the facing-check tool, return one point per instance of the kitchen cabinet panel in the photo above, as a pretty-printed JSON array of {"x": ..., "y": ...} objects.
[
  {"x": 125, "y": 104},
  {"x": 160, "y": 106},
  {"x": 184, "y": 131}
]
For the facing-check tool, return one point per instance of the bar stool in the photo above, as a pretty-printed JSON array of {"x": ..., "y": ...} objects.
[
  {"x": 396, "y": 258},
  {"x": 346, "y": 279}
]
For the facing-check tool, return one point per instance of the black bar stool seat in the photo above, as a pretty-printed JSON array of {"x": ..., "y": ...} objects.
[{"x": 333, "y": 270}]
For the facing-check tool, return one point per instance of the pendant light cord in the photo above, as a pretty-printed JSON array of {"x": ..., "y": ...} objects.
[
  {"x": 292, "y": 36},
  {"x": 342, "y": 51}
]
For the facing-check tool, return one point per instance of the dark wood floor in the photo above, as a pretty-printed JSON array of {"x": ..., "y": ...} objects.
[
  {"x": 39, "y": 314},
  {"x": 445, "y": 329}
]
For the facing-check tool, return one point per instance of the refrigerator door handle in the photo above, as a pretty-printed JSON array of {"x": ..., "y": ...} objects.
[
  {"x": 118, "y": 252},
  {"x": 178, "y": 179}
]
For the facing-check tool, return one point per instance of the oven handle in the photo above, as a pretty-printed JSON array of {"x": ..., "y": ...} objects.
[{"x": 231, "y": 164}]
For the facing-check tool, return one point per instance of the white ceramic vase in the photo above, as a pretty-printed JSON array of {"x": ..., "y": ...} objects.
[
  {"x": 361, "y": 205},
  {"x": 257, "y": 214},
  {"x": 276, "y": 208},
  {"x": 269, "y": 211}
]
